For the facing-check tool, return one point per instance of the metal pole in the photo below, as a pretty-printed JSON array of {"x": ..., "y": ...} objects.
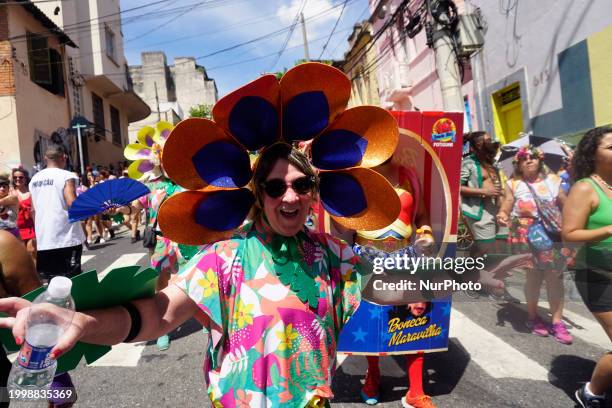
[
  {"x": 447, "y": 67},
  {"x": 306, "y": 53},
  {"x": 157, "y": 102},
  {"x": 80, "y": 143}
]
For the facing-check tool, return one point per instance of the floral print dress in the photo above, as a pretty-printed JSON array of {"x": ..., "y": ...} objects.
[
  {"x": 525, "y": 213},
  {"x": 167, "y": 256},
  {"x": 268, "y": 348}
]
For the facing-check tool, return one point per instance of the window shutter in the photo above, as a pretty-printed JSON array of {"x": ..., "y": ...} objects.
[
  {"x": 57, "y": 73},
  {"x": 39, "y": 59}
]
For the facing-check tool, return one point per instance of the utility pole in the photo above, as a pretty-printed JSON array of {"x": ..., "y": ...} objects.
[
  {"x": 78, "y": 128},
  {"x": 306, "y": 53},
  {"x": 447, "y": 65},
  {"x": 157, "y": 102}
]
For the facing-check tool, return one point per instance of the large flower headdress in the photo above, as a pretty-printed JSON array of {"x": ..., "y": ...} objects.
[
  {"x": 210, "y": 158},
  {"x": 147, "y": 151}
]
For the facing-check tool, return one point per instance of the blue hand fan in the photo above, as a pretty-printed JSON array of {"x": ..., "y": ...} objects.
[{"x": 104, "y": 196}]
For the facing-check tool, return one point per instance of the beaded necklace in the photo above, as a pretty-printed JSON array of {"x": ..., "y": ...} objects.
[{"x": 602, "y": 181}]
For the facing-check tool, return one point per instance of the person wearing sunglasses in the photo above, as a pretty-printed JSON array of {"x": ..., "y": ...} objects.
[
  {"x": 25, "y": 218},
  {"x": 9, "y": 207},
  {"x": 272, "y": 270}
]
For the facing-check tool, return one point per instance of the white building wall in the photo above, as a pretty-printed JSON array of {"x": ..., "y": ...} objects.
[
  {"x": 191, "y": 86},
  {"x": 527, "y": 37}
]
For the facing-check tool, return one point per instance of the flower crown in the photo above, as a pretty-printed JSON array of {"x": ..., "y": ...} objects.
[
  {"x": 147, "y": 151},
  {"x": 210, "y": 158},
  {"x": 526, "y": 151}
]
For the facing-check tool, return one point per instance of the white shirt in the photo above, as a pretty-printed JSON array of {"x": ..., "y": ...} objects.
[
  {"x": 524, "y": 203},
  {"x": 53, "y": 230}
]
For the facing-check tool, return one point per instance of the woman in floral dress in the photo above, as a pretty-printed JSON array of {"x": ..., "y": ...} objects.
[{"x": 520, "y": 211}]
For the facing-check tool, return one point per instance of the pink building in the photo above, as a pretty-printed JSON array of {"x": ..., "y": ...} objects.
[{"x": 405, "y": 67}]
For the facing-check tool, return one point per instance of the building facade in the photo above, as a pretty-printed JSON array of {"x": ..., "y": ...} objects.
[
  {"x": 544, "y": 68},
  {"x": 405, "y": 65},
  {"x": 170, "y": 90},
  {"x": 357, "y": 61},
  {"x": 34, "y": 99},
  {"x": 96, "y": 88}
]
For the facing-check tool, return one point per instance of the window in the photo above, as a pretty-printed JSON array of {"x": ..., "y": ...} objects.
[
  {"x": 110, "y": 43},
  {"x": 115, "y": 125},
  {"x": 45, "y": 64},
  {"x": 98, "y": 115}
]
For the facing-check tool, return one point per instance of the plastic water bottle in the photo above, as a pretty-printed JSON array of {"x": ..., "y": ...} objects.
[{"x": 33, "y": 369}]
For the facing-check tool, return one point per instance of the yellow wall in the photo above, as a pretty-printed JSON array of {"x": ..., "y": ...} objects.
[{"x": 600, "y": 50}]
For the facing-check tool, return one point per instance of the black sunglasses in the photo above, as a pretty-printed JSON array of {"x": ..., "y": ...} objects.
[{"x": 275, "y": 188}]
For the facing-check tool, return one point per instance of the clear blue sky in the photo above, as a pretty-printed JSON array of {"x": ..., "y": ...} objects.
[{"x": 192, "y": 28}]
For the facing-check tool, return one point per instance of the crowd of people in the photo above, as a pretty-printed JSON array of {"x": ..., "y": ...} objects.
[
  {"x": 562, "y": 219},
  {"x": 279, "y": 293}
]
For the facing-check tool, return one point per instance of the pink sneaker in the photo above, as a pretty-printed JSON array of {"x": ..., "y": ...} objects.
[
  {"x": 538, "y": 327},
  {"x": 559, "y": 331}
]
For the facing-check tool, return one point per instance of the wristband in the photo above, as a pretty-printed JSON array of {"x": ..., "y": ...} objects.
[{"x": 136, "y": 321}]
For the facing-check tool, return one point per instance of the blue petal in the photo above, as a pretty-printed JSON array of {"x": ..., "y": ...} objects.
[
  {"x": 224, "y": 210},
  {"x": 253, "y": 121},
  {"x": 342, "y": 195},
  {"x": 222, "y": 164},
  {"x": 305, "y": 116},
  {"x": 338, "y": 149}
]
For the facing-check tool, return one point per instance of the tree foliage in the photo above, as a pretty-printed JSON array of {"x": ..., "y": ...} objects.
[{"x": 201, "y": 111}]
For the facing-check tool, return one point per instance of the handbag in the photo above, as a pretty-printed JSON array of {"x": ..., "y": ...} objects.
[
  {"x": 547, "y": 230},
  {"x": 538, "y": 237},
  {"x": 550, "y": 215},
  {"x": 149, "y": 235}
]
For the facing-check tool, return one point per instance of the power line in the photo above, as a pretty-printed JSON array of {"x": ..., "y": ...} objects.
[
  {"x": 85, "y": 21},
  {"x": 167, "y": 22},
  {"x": 239, "y": 45},
  {"x": 242, "y": 23},
  {"x": 333, "y": 29},
  {"x": 289, "y": 34},
  {"x": 331, "y": 54},
  {"x": 86, "y": 25},
  {"x": 273, "y": 53},
  {"x": 380, "y": 31},
  {"x": 263, "y": 37}
]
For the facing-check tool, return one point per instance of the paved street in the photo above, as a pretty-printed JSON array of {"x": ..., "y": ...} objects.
[{"x": 492, "y": 360}]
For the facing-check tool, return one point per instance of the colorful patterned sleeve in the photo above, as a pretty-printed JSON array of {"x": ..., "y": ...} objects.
[
  {"x": 199, "y": 279},
  {"x": 345, "y": 277}
]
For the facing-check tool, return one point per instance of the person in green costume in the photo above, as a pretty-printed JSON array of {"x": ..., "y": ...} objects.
[{"x": 587, "y": 219}]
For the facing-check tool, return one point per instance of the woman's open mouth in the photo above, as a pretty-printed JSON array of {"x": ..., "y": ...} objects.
[{"x": 287, "y": 213}]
